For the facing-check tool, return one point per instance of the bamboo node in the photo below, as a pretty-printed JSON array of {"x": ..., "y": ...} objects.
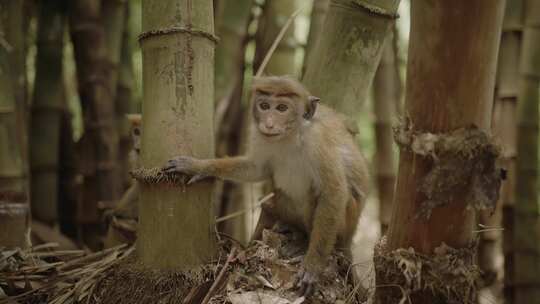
[
  {"x": 178, "y": 29},
  {"x": 448, "y": 272},
  {"x": 13, "y": 203},
  {"x": 157, "y": 176},
  {"x": 463, "y": 166},
  {"x": 13, "y": 196},
  {"x": 369, "y": 8}
]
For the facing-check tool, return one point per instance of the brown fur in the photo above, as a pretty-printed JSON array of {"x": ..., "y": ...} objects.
[{"x": 319, "y": 174}]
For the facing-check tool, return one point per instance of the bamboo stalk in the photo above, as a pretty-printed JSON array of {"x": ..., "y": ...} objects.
[
  {"x": 436, "y": 103},
  {"x": 125, "y": 99},
  {"x": 229, "y": 80},
  {"x": 526, "y": 210},
  {"x": 318, "y": 14},
  {"x": 348, "y": 52},
  {"x": 178, "y": 119},
  {"x": 233, "y": 19},
  {"x": 47, "y": 110},
  {"x": 504, "y": 128},
  {"x": 384, "y": 100},
  {"x": 276, "y": 21},
  {"x": 14, "y": 213},
  {"x": 99, "y": 145}
]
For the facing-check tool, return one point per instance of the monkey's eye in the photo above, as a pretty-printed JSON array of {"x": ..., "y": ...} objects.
[
  {"x": 264, "y": 106},
  {"x": 282, "y": 107}
]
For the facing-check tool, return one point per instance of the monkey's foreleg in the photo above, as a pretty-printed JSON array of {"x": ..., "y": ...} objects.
[
  {"x": 328, "y": 215},
  {"x": 240, "y": 169}
]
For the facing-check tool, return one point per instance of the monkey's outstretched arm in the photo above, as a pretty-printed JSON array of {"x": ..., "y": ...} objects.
[
  {"x": 327, "y": 217},
  {"x": 239, "y": 169}
]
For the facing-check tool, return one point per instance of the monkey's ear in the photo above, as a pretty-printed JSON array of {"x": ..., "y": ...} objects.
[{"x": 311, "y": 107}]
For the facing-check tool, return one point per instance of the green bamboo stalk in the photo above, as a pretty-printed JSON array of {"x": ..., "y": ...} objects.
[
  {"x": 99, "y": 144},
  {"x": 274, "y": 16},
  {"x": 504, "y": 128},
  {"x": 526, "y": 210},
  {"x": 230, "y": 51},
  {"x": 12, "y": 15},
  {"x": 14, "y": 211},
  {"x": 318, "y": 14},
  {"x": 229, "y": 74},
  {"x": 47, "y": 111},
  {"x": 125, "y": 100},
  {"x": 113, "y": 14},
  {"x": 385, "y": 93},
  {"x": 347, "y": 55},
  {"x": 176, "y": 227}
]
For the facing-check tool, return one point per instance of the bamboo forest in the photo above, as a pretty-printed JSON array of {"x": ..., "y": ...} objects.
[{"x": 269, "y": 151}]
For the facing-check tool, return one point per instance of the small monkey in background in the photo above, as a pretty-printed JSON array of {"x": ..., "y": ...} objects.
[
  {"x": 307, "y": 152},
  {"x": 128, "y": 204},
  {"x": 127, "y": 208}
]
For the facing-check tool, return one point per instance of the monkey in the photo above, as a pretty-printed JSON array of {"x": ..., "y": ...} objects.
[{"x": 306, "y": 150}]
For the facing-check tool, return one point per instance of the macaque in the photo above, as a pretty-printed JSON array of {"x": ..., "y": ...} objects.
[{"x": 306, "y": 150}]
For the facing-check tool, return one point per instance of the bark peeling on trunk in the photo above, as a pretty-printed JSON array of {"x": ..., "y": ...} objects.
[{"x": 463, "y": 162}]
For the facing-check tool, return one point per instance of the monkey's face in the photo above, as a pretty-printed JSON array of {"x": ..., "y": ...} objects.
[{"x": 275, "y": 116}]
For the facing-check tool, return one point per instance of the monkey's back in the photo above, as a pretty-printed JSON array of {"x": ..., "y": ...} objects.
[{"x": 331, "y": 126}]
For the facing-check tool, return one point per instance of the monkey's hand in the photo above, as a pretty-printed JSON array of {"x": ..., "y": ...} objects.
[
  {"x": 184, "y": 164},
  {"x": 307, "y": 282}
]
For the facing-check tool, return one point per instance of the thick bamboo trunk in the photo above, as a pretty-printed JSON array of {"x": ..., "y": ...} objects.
[
  {"x": 526, "y": 223},
  {"x": 99, "y": 144},
  {"x": 443, "y": 47},
  {"x": 444, "y": 107},
  {"x": 176, "y": 227},
  {"x": 275, "y": 14},
  {"x": 318, "y": 14},
  {"x": 343, "y": 64},
  {"x": 47, "y": 110},
  {"x": 504, "y": 128},
  {"x": 14, "y": 208},
  {"x": 385, "y": 92}
]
